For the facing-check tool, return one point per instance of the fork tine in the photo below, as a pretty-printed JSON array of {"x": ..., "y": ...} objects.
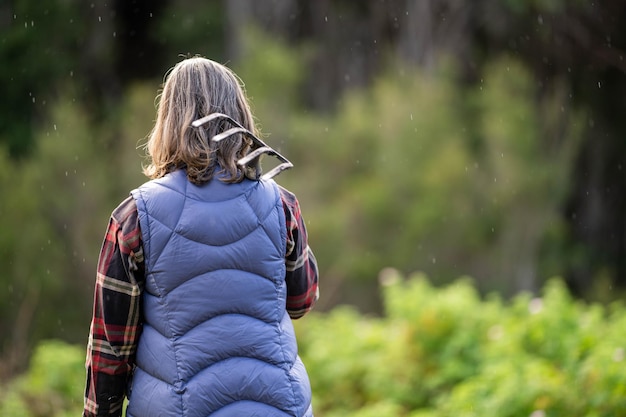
[
  {"x": 206, "y": 119},
  {"x": 229, "y": 132},
  {"x": 276, "y": 170},
  {"x": 255, "y": 154}
]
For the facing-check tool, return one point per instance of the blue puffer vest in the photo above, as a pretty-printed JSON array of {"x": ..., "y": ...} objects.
[{"x": 217, "y": 340}]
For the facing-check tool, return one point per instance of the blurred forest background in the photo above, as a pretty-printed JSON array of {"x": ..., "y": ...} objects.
[{"x": 459, "y": 138}]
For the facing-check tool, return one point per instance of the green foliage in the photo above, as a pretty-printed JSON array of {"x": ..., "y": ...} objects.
[
  {"x": 443, "y": 352},
  {"x": 52, "y": 196},
  {"x": 53, "y": 385},
  {"x": 436, "y": 352},
  {"x": 423, "y": 174},
  {"x": 52, "y": 226}
]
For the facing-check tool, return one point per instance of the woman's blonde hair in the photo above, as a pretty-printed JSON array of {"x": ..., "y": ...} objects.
[{"x": 194, "y": 88}]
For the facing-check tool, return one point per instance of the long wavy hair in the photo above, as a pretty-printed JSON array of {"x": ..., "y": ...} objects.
[{"x": 194, "y": 88}]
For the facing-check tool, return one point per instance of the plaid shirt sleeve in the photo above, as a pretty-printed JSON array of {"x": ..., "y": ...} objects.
[
  {"x": 115, "y": 325},
  {"x": 302, "y": 272}
]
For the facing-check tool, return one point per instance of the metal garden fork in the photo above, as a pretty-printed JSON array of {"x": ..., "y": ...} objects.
[{"x": 259, "y": 147}]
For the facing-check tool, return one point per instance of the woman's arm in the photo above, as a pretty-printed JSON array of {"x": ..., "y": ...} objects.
[
  {"x": 302, "y": 272},
  {"x": 115, "y": 325}
]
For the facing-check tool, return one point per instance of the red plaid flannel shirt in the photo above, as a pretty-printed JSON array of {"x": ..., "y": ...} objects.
[{"x": 116, "y": 322}]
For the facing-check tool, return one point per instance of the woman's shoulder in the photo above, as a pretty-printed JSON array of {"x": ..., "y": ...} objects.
[{"x": 125, "y": 209}]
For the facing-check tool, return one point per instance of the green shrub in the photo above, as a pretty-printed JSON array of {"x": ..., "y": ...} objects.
[
  {"x": 53, "y": 385},
  {"x": 444, "y": 352}
]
